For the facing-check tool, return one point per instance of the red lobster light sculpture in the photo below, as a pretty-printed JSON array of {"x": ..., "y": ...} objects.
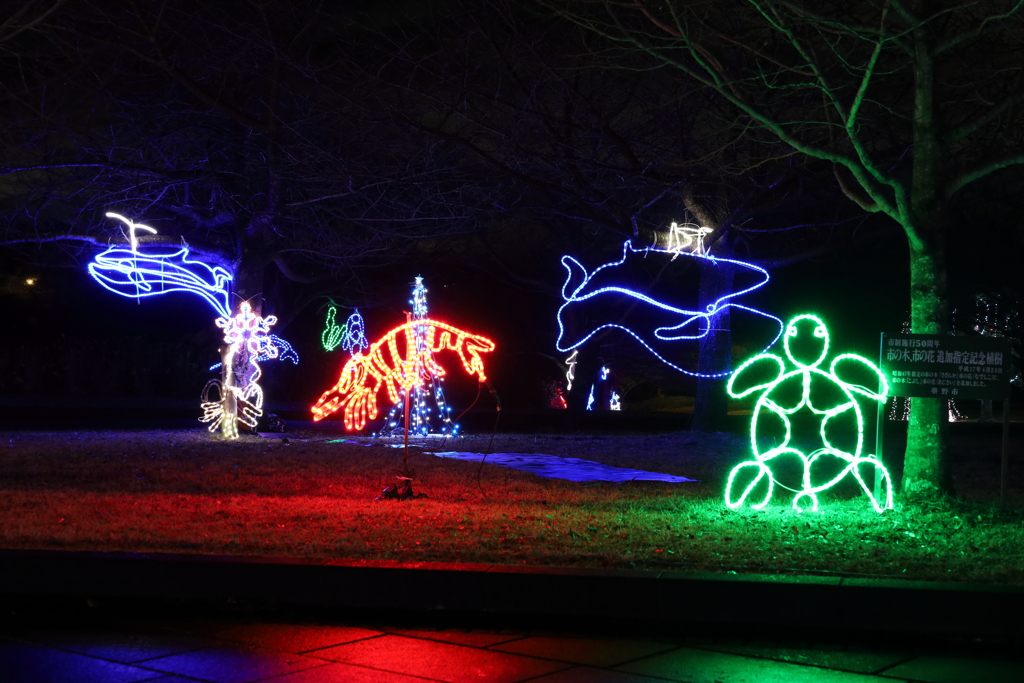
[{"x": 383, "y": 364}]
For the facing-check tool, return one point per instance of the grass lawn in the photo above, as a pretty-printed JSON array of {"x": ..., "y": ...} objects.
[{"x": 188, "y": 492}]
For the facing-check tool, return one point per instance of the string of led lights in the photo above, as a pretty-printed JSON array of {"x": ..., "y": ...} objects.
[
  {"x": 778, "y": 387},
  {"x": 702, "y": 319},
  {"x": 161, "y": 269},
  {"x": 899, "y": 406},
  {"x": 613, "y": 397},
  {"x": 247, "y": 336},
  {"x": 354, "y": 338},
  {"x": 333, "y": 333},
  {"x": 420, "y": 393},
  {"x": 282, "y": 351},
  {"x": 426, "y": 396},
  {"x": 613, "y": 403},
  {"x": 687, "y": 237},
  {"x": 351, "y": 336},
  {"x": 386, "y": 366},
  {"x": 994, "y": 316},
  {"x": 214, "y": 410},
  {"x": 570, "y": 374},
  {"x": 558, "y": 398}
]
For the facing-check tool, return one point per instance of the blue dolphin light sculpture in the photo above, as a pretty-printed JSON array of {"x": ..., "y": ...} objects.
[{"x": 695, "y": 324}]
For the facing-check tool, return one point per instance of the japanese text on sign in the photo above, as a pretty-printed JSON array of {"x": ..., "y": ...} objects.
[{"x": 946, "y": 366}]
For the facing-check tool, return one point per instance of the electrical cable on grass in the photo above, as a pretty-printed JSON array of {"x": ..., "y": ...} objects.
[
  {"x": 494, "y": 430},
  {"x": 444, "y": 440},
  {"x": 479, "y": 390}
]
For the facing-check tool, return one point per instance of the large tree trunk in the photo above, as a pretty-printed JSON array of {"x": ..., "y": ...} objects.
[
  {"x": 248, "y": 286},
  {"x": 926, "y": 467},
  {"x": 711, "y": 405},
  {"x": 229, "y": 422},
  {"x": 716, "y": 279}
]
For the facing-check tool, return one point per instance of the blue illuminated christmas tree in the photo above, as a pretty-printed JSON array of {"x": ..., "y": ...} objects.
[{"x": 429, "y": 413}]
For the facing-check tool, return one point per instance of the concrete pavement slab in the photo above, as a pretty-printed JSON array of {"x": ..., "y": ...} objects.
[
  {"x": 347, "y": 673},
  {"x": 689, "y": 665},
  {"x": 232, "y": 664},
  {"x": 456, "y": 637},
  {"x": 424, "y": 655},
  {"x": 291, "y": 638},
  {"x": 26, "y": 663},
  {"x": 959, "y": 669},
  {"x": 859, "y": 661},
  {"x": 587, "y": 674},
  {"x": 121, "y": 646},
  {"x": 599, "y": 652},
  {"x": 441, "y": 661}
]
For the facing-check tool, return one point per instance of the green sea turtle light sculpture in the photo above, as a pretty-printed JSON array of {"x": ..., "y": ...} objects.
[{"x": 807, "y": 392}]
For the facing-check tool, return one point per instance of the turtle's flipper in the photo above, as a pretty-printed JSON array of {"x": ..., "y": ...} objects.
[
  {"x": 759, "y": 372},
  {"x": 805, "y": 501},
  {"x": 745, "y": 483},
  {"x": 859, "y": 375},
  {"x": 876, "y": 466}
]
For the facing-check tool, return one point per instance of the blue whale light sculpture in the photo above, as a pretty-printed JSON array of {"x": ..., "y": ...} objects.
[{"x": 159, "y": 270}]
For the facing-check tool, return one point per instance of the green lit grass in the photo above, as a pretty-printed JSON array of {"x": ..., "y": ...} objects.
[{"x": 185, "y": 492}]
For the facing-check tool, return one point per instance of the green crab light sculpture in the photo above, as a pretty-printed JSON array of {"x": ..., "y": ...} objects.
[{"x": 807, "y": 392}]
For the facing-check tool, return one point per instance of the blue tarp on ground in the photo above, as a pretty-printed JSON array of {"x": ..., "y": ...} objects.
[{"x": 554, "y": 467}]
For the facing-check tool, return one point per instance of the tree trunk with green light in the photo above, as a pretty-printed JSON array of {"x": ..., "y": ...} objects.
[{"x": 925, "y": 464}]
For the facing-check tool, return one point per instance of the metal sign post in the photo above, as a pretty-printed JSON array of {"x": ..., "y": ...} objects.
[
  {"x": 879, "y": 429},
  {"x": 1005, "y": 466}
]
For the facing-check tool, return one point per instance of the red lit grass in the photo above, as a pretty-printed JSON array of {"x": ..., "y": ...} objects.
[{"x": 187, "y": 492}]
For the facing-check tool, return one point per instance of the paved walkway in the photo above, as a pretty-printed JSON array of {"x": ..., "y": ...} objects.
[
  {"x": 640, "y": 626},
  {"x": 115, "y": 648},
  {"x": 735, "y": 604}
]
